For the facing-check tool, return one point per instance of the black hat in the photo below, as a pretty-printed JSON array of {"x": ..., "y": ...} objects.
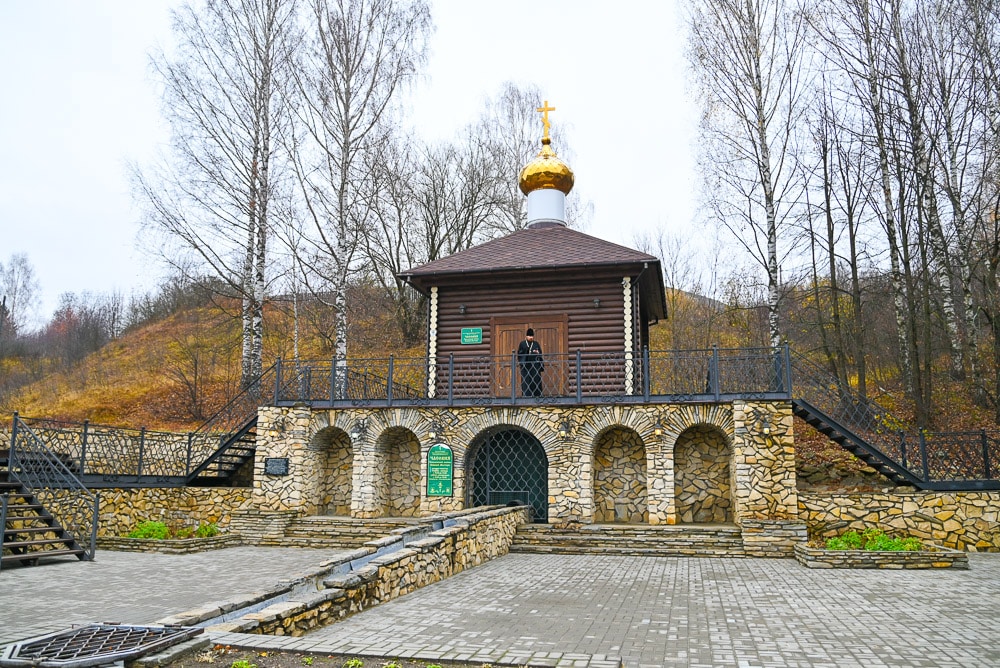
[{"x": 530, "y": 332}]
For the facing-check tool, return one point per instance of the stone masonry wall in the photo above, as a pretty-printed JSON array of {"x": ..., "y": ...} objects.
[
  {"x": 593, "y": 470},
  {"x": 178, "y": 507},
  {"x": 620, "y": 478},
  {"x": 337, "y": 464},
  {"x": 470, "y": 541},
  {"x": 702, "y": 476},
  {"x": 967, "y": 521},
  {"x": 287, "y": 433},
  {"x": 404, "y": 475},
  {"x": 764, "y": 461}
]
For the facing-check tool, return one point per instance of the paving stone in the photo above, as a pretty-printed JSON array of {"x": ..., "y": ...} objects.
[{"x": 579, "y": 611}]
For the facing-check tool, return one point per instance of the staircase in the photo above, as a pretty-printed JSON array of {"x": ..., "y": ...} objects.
[
  {"x": 223, "y": 467},
  {"x": 341, "y": 533},
  {"x": 715, "y": 540},
  {"x": 30, "y": 532},
  {"x": 231, "y": 434},
  {"x": 947, "y": 461},
  {"x": 853, "y": 443}
]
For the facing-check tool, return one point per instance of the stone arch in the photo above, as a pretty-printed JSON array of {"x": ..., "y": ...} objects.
[
  {"x": 507, "y": 464},
  {"x": 397, "y": 473},
  {"x": 620, "y": 493},
  {"x": 603, "y": 418},
  {"x": 336, "y": 463},
  {"x": 678, "y": 418},
  {"x": 545, "y": 430},
  {"x": 703, "y": 475}
]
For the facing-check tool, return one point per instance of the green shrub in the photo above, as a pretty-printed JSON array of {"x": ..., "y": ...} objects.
[
  {"x": 150, "y": 530},
  {"x": 160, "y": 531},
  {"x": 206, "y": 530},
  {"x": 875, "y": 540},
  {"x": 354, "y": 663},
  {"x": 847, "y": 541},
  {"x": 243, "y": 663}
]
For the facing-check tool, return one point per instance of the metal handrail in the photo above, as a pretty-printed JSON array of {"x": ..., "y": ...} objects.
[
  {"x": 577, "y": 377},
  {"x": 92, "y": 449},
  {"x": 45, "y": 473},
  {"x": 929, "y": 457},
  {"x": 234, "y": 414}
]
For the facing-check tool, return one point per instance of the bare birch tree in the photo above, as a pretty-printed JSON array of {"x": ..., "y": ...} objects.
[
  {"x": 356, "y": 58},
  {"x": 212, "y": 197},
  {"x": 19, "y": 290},
  {"x": 748, "y": 61}
]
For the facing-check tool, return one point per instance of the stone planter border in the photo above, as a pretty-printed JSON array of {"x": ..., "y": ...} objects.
[
  {"x": 940, "y": 557},
  {"x": 172, "y": 546}
]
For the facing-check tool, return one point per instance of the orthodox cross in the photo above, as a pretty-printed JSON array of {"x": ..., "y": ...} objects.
[{"x": 545, "y": 109}]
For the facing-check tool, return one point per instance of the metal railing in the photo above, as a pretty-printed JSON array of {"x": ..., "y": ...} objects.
[
  {"x": 98, "y": 452},
  {"x": 54, "y": 485},
  {"x": 931, "y": 457},
  {"x": 582, "y": 377},
  {"x": 575, "y": 378},
  {"x": 109, "y": 456}
]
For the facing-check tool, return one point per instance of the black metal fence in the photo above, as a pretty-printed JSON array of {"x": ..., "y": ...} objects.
[
  {"x": 932, "y": 457},
  {"x": 106, "y": 456},
  {"x": 582, "y": 377}
]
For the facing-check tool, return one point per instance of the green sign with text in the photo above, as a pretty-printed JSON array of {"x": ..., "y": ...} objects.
[
  {"x": 472, "y": 335},
  {"x": 440, "y": 468}
]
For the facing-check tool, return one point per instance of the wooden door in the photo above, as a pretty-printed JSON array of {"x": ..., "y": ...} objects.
[{"x": 551, "y": 335}]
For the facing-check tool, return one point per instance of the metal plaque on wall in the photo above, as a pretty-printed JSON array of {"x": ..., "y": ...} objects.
[
  {"x": 276, "y": 465},
  {"x": 440, "y": 470}
]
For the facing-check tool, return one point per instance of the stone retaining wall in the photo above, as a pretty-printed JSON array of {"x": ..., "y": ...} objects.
[
  {"x": 967, "y": 521},
  {"x": 819, "y": 558},
  {"x": 172, "y": 546},
  {"x": 472, "y": 539},
  {"x": 764, "y": 538},
  {"x": 177, "y": 507}
]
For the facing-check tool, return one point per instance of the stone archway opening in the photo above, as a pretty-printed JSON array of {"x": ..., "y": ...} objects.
[
  {"x": 397, "y": 471},
  {"x": 508, "y": 465},
  {"x": 620, "y": 478},
  {"x": 702, "y": 476},
  {"x": 336, "y": 478}
]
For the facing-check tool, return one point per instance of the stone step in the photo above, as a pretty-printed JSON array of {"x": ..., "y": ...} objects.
[
  {"x": 636, "y": 529},
  {"x": 661, "y": 551},
  {"x": 635, "y": 540},
  {"x": 340, "y": 532},
  {"x": 684, "y": 540}
]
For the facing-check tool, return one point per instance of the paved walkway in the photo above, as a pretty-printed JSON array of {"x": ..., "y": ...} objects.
[
  {"x": 137, "y": 588},
  {"x": 649, "y": 611}
]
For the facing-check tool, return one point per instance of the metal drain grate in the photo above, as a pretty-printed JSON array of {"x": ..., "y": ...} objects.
[{"x": 94, "y": 645}]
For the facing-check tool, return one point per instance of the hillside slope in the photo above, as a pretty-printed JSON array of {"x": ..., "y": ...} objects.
[{"x": 174, "y": 373}]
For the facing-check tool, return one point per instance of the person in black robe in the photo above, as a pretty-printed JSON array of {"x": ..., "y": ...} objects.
[{"x": 529, "y": 359}]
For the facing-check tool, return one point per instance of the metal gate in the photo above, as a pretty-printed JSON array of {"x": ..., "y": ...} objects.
[{"x": 510, "y": 465}]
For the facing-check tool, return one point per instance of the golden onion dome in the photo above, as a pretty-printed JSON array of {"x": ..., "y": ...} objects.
[{"x": 546, "y": 170}]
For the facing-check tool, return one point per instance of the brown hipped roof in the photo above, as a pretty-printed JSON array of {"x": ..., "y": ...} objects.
[
  {"x": 548, "y": 247},
  {"x": 533, "y": 248}
]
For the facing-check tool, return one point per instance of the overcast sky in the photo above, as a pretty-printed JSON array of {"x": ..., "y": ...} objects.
[{"x": 79, "y": 104}]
